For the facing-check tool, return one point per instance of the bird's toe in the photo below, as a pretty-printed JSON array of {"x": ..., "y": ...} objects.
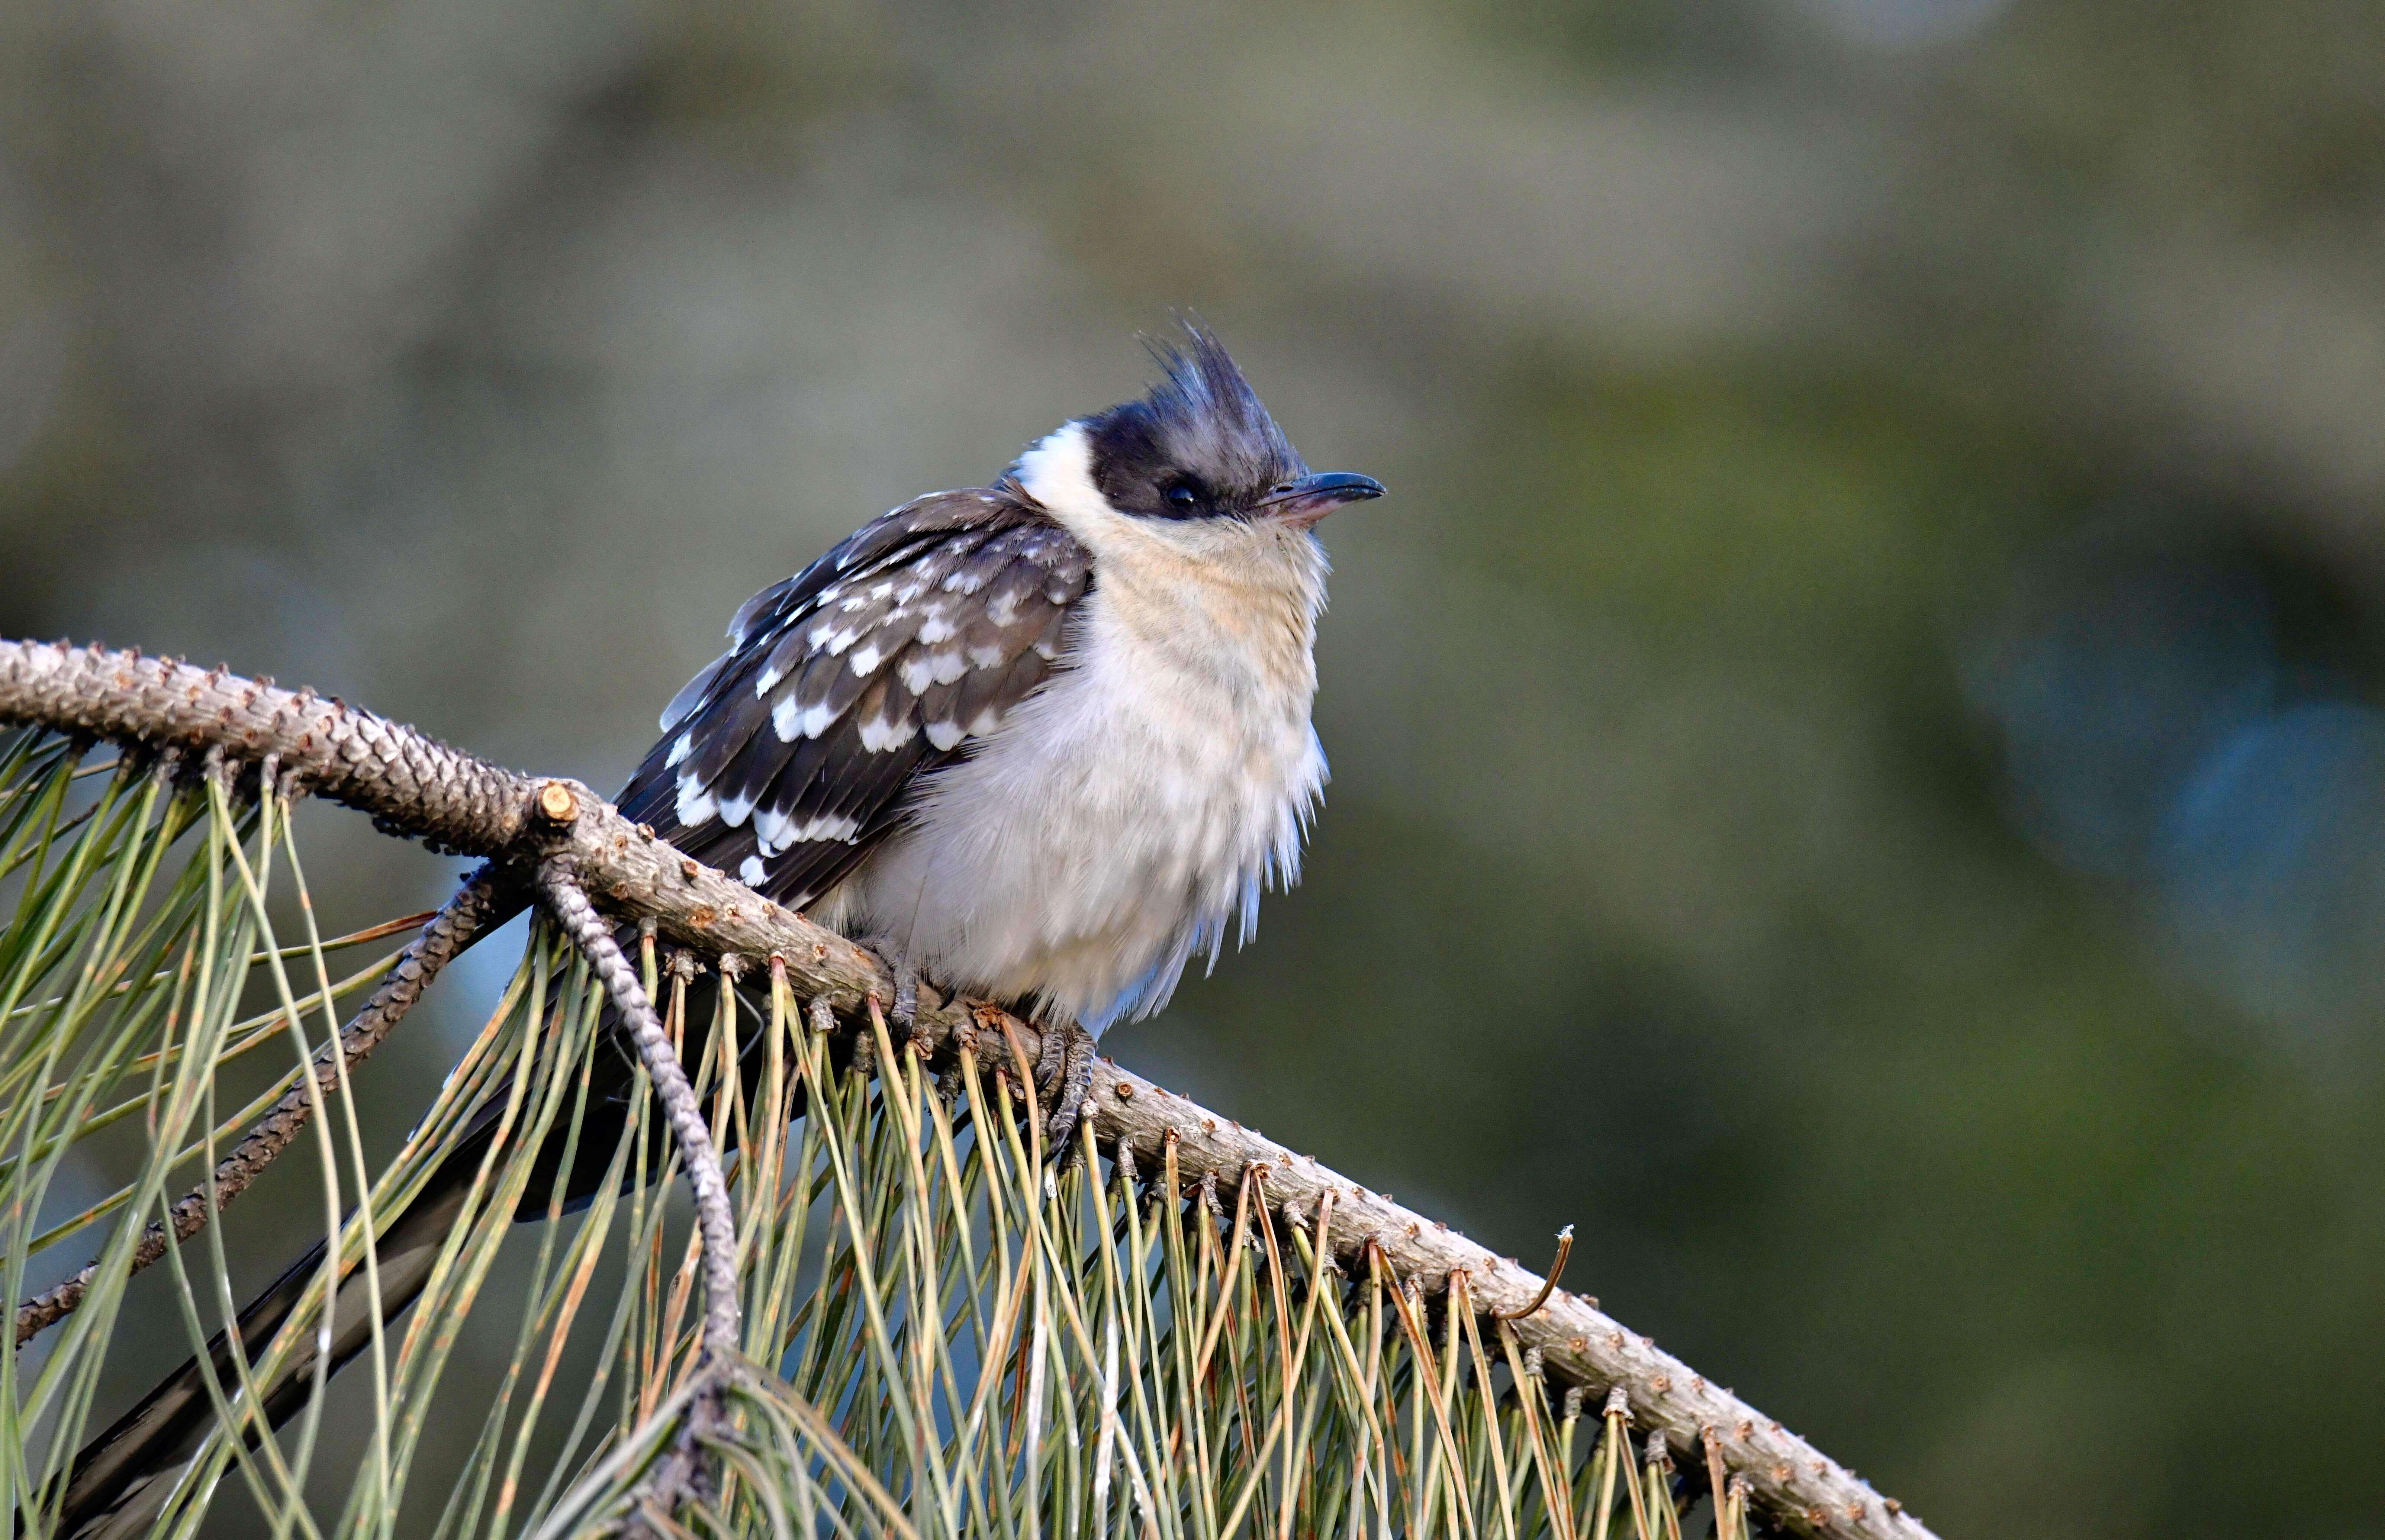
[{"x": 1073, "y": 1075}]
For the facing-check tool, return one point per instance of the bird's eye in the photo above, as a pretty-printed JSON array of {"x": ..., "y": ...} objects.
[{"x": 1184, "y": 497}]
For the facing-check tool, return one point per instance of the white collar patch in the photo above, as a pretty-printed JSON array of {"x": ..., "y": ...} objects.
[{"x": 1058, "y": 473}]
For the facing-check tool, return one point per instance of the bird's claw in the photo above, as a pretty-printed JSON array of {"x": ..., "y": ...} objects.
[
  {"x": 1051, "y": 1052},
  {"x": 1064, "y": 1069}
]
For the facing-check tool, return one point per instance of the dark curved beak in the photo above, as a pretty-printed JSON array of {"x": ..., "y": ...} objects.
[{"x": 1304, "y": 501}]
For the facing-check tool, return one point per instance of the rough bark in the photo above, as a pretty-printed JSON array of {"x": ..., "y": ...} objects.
[{"x": 413, "y": 785}]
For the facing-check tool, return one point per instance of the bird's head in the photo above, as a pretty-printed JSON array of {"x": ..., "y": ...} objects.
[{"x": 1199, "y": 446}]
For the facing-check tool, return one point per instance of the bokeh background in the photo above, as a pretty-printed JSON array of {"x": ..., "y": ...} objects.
[{"x": 1858, "y": 780}]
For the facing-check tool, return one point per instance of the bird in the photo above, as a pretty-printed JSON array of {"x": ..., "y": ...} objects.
[{"x": 1043, "y": 742}]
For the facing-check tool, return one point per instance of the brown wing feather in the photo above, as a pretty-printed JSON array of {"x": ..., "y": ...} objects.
[{"x": 791, "y": 756}]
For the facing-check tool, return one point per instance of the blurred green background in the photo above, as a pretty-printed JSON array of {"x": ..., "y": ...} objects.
[{"x": 1857, "y": 775}]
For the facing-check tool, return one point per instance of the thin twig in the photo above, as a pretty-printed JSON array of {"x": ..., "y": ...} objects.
[
  {"x": 714, "y": 1218},
  {"x": 413, "y": 785},
  {"x": 1548, "y": 1284},
  {"x": 486, "y": 900}
]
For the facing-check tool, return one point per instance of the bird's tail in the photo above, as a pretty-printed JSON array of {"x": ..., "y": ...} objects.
[{"x": 122, "y": 1480}]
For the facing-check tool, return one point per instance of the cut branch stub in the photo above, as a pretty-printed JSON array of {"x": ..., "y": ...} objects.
[{"x": 556, "y": 803}]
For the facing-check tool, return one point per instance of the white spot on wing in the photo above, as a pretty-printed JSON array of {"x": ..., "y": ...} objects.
[
  {"x": 680, "y": 750},
  {"x": 751, "y": 871},
  {"x": 878, "y": 737},
  {"x": 866, "y": 660},
  {"x": 768, "y": 682},
  {"x": 776, "y": 830},
  {"x": 944, "y": 734},
  {"x": 791, "y": 719},
  {"x": 695, "y": 804}
]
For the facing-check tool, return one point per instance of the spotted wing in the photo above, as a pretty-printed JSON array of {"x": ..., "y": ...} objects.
[{"x": 788, "y": 758}]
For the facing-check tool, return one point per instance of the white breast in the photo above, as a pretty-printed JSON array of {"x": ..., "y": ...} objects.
[{"x": 1132, "y": 810}]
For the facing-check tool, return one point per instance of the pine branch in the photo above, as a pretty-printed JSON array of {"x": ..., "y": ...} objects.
[{"x": 413, "y": 785}]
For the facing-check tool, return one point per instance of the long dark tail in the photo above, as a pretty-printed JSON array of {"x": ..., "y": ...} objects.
[{"x": 122, "y": 1479}]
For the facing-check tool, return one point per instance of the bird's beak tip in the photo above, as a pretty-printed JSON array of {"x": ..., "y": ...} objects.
[{"x": 1304, "y": 501}]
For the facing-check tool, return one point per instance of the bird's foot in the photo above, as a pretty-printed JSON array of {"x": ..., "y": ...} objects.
[
  {"x": 1064, "y": 1068},
  {"x": 1051, "y": 1056},
  {"x": 902, "y": 1011},
  {"x": 904, "y": 1017}
]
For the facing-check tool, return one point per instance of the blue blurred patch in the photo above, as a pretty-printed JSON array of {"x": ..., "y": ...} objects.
[
  {"x": 2154, "y": 735},
  {"x": 2111, "y": 674},
  {"x": 2274, "y": 869}
]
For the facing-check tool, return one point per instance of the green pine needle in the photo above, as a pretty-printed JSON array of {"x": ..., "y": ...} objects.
[{"x": 941, "y": 1337}]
